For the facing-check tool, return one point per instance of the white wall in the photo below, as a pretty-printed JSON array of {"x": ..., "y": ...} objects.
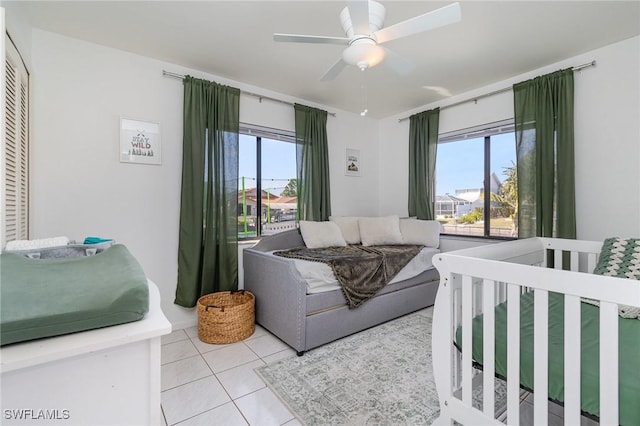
[
  {"x": 18, "y": 29},
  {"x": 79, "y": 187},
  {"x": 607, "y": 139}
]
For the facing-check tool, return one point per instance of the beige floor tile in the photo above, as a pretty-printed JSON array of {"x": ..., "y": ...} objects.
[
  {"x": 186, "y": 370},
  {"x": 263, "y": 408},
  {"x": 242, "y": 380},
  {"x": 174, "y": 336},
  {"x": 191, "y": 399},
  {"x": 229, "y": 357},
  {"x": 177, "y": 350},
  {"x": 224, "y": 415},
  {"x": 266, "y": 345}
]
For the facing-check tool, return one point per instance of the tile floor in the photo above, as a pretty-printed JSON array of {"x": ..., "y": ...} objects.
[
  {"x": 210, "y": 385},
  {"x": 205, "y": 384}
]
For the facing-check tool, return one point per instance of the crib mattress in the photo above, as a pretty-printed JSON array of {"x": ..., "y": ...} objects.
[
  {"x": 629, "y": 354},
  {"x": 50, "y": 297}
]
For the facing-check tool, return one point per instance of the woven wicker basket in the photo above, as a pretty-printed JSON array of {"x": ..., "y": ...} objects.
[{"x": 226, "y": 316}]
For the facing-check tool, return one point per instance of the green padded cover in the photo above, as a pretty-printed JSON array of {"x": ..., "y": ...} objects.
[
  {"x": 620, "y": 258},
  {"x": 49, "y": 297},
  {"x": 628, "y": 362}
]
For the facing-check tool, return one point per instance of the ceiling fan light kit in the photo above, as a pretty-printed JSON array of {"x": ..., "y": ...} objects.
[
  {"x": 363, "y": 24},
  {"x": 363, "y": 53}
]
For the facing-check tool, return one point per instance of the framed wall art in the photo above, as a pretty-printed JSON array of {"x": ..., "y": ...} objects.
[
  {"x": 140, "y": 142},
  {"x": 352, "y": 162}
]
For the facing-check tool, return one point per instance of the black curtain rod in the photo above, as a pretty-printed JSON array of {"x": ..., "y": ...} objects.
[{"x": 255, "y": 95}]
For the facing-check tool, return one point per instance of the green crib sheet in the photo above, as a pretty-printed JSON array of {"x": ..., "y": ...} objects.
[
  {"x": 49, "y": 297},
  {"x": 629, "y": 354}
]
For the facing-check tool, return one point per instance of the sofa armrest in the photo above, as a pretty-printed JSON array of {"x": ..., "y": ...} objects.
[
  {"x": 280, "y": 294},
  {"x": 280, "y": 241}
]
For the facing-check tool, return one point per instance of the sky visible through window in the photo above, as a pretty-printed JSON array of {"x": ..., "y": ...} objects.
[
  {"x": 459, "y": 164},
  {"x": 278, "y": 163}
]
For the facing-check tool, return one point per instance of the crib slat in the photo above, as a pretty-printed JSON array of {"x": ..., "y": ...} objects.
[
  {"x": 571, "y": 359},
  {"x": 467, "y": 317},
  {"x": 540, "y": 356},
  {"x": 608, "y": 363},
  {"x": 457, "y": 318},
  {"x": 513, "y": 354},
  {"x": 488, "y": 348},
  {"x": 575, "y": 262},
  {"x": 557, "y": 259}
]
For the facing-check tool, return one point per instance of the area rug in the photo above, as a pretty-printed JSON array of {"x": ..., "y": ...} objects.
[{"x": 381, "y": 376}]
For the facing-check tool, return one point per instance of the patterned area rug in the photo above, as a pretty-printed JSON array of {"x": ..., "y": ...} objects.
[{"x": 381, "y": 376}]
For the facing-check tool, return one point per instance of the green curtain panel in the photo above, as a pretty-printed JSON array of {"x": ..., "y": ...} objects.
[
  {"x": 208, "y": 241},
  {"x": 423, "y": 145},
  {"x": 544, "y": 148},
  {"x": 314, "y": 201}
]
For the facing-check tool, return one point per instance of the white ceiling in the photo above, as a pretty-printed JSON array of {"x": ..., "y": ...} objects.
[{"x": 233, "y": 39}]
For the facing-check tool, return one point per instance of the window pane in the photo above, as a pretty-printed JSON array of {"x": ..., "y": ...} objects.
[
  {"x": 279, "y": 186},
  {"x": 274, "y": 209},
  {"x": 247, "y": 187},
  {"x": 504, "y": 193},
  {"x": 459, "y": 186}
]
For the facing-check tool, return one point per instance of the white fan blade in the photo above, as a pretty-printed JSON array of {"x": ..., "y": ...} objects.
[
  {"x": 442, "y": 91},
  {"x": 294, "y": 38},
  {"x": 359, "y": 13},
  {"x": 429, "y": 21},
  {"x": 334, "y": 70},
  {"x": 397, "y": 63}
]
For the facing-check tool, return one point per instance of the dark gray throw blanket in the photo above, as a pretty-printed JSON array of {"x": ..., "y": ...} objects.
[{"x": 361, "y": 271}]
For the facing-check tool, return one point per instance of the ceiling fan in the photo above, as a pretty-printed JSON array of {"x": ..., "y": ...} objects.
[{"x": 362, "y": 21}]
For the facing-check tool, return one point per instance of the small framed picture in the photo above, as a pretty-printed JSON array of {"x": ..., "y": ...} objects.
[
  {"x": 352, "y": 164},
  {"x": 140, "y": 142}
]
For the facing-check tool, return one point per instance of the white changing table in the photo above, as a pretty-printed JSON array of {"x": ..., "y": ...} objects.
[{"x": 108, "y": 376}]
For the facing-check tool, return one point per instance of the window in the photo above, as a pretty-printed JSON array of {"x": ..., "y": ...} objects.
[
  {"x": 15, "y": 154},
  {"x": 267, "y": 187},
  {"x": 476, "y": 188}
]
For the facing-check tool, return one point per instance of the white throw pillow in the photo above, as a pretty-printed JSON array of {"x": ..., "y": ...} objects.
[
  {"x": 423, "y": 232},
  {"x": 349, "y": 228},
  {"x": 321, "y": 234},
  {"x": 380, "y": 230}
]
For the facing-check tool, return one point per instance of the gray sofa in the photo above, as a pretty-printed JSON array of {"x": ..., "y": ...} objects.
[{"x": 305, "y": 321}]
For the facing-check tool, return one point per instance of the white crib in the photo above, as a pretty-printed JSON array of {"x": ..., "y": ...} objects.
[{"x": 475, "y": 280}]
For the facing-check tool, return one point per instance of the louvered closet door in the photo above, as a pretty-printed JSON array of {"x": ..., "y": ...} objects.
[{"x": 15, "y": 224}]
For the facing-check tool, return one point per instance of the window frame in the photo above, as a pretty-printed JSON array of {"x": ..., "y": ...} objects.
[
  {"x": 260, "y": 132},
  {"x": 484, "y": 131}
]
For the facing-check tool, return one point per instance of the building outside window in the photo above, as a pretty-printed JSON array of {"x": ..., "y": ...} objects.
[{"x": 476, "y": 188}]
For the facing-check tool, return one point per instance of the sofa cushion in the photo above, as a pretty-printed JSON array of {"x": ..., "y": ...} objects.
[
  {"x": 321, "y": 234},
  {"x": 380, "y": 230},
  {"x": 423, "y": 232},
  {"x": 349, "y": 227}
]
